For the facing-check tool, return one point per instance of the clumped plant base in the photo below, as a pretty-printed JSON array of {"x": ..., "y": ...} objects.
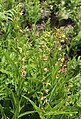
[{"x": 40, "y": 59}]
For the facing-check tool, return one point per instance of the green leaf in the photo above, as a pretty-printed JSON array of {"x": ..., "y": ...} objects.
[
  {"x": 79, "y": 36},
  {"x": 59, "y": 112},
  {"x": 13, "y": 98},
  {"x": 2, "y": 113},
  {"x": 41, "y": 114},
  {"x": 2, "y": 16},
  {"x": 6, "y": 72},
  {"x": 25, "y": 113}
]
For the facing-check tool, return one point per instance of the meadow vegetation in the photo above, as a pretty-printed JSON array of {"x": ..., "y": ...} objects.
[{"x": 40, "y": 59}]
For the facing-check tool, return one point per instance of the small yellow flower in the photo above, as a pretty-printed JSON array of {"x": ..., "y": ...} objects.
[
  {"x": 21, "y": 5},
  {"x": 42, "y": 98},
  {"x": 66, "y": 104},
  {"x": 44, "y": 58},
  {"x": 45, "y": 69},
  {"x": 22, "y": 60},
  {"x": 21, "y": 31},
  {"x": 22, "y": 67},
  {"x": 46, "y": 101},
  {"x": 46, "y": 91}
]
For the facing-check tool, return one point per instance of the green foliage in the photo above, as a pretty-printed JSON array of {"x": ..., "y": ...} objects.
[
  {"x": 66, "y": 9},
  {"x": 32, "y": 11},
  {"x": 36, "y": 81}
]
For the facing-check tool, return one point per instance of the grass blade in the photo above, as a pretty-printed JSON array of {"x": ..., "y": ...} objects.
[
  {"x": 26, "y": 113},
  {"x": 35, "y": 107},
  {"x": 59, "y": 112}
]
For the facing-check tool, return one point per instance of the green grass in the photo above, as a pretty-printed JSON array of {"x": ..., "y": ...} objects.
[{"x": 36, "y": 81}]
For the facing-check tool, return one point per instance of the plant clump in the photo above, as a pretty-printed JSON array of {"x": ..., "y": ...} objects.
[{"x": 40, "y": 59}]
